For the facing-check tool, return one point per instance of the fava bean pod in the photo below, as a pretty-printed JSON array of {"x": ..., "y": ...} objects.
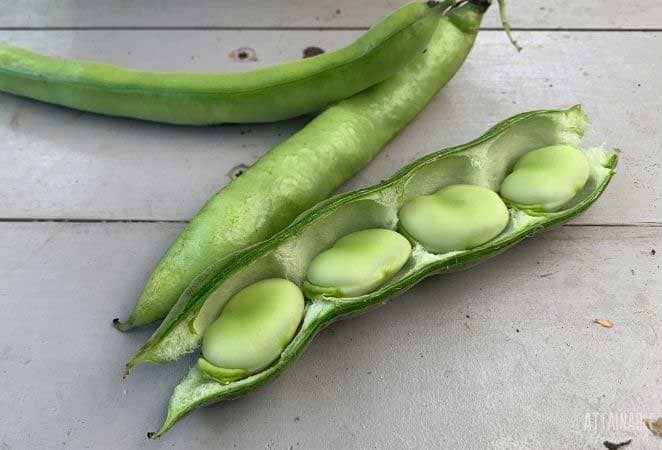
[
  {"x": 264, "y": 95},
  {"x": 444, "y": 212}
]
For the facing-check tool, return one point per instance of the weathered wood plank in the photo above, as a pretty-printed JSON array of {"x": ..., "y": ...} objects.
[
  {"x": 58, "y": 163},
  {"x": 287, "y": 13},
  {"x": 504, "y": 355}
]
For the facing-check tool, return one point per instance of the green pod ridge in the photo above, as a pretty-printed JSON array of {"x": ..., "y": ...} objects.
[
  {"x": 456, "y": 217},
  {"x": 547, "y": 178},
  {"x": 337, "y": 143},
  {"x": 264, "y": 95},
  {"x": 357, "y": 263},
  {"x": 484, "y": 162},
  {"x": 253, "y": 328}
]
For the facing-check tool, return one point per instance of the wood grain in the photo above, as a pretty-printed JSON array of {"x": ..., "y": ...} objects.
[
  {"x": 504, "y": 355},
  {"x": 60, "y": 163},
  {"x": 582, "y": 14}
]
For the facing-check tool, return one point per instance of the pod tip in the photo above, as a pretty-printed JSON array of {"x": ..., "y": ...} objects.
[
  {"x": 122, "y": 326},
  {"x": 127, "y": 369},
  {"x": 157, "y": 434}
]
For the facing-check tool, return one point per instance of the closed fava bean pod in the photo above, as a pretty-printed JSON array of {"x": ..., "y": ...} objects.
[
  {"x": 286, "y": 181},
  {"x": 485, "y": 162},
  {"x": 264, "y": 95}
]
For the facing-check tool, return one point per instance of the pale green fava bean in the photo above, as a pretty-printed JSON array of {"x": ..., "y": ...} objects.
[
  {"x": 456, "y": 217},
  {"x": 357, "y": 263},
  {"x": 547, "y": 178},
  {"x": 252, "y": 330}
]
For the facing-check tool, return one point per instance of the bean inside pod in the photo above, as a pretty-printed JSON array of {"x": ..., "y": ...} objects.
[
  {"x": 357, "y": 263},
  {"x": 547, "y": 178},
  {"x": 252, "y": 330},
  {"x": 456, "y": 217}
]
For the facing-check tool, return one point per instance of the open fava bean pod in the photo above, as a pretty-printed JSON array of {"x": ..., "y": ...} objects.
[{"x": 456, "y": 207}]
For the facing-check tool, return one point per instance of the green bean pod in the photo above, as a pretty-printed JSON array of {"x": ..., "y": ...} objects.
[
  {"x": 286, "y": 181},
  {"x": 264, "y": 95},
  {"x": 484, "y": 162}
]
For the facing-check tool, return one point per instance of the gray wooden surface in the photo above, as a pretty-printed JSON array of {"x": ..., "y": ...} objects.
[
  {"x": 578, "y": 14},
  {"x": 504, "y": 355}
]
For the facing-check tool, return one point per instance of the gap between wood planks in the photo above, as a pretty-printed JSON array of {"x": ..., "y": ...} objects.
[
  {"x": 653, "y": 224},
  {"x": 304, "y": 28},
  {"x": 150, "y": 221}
]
